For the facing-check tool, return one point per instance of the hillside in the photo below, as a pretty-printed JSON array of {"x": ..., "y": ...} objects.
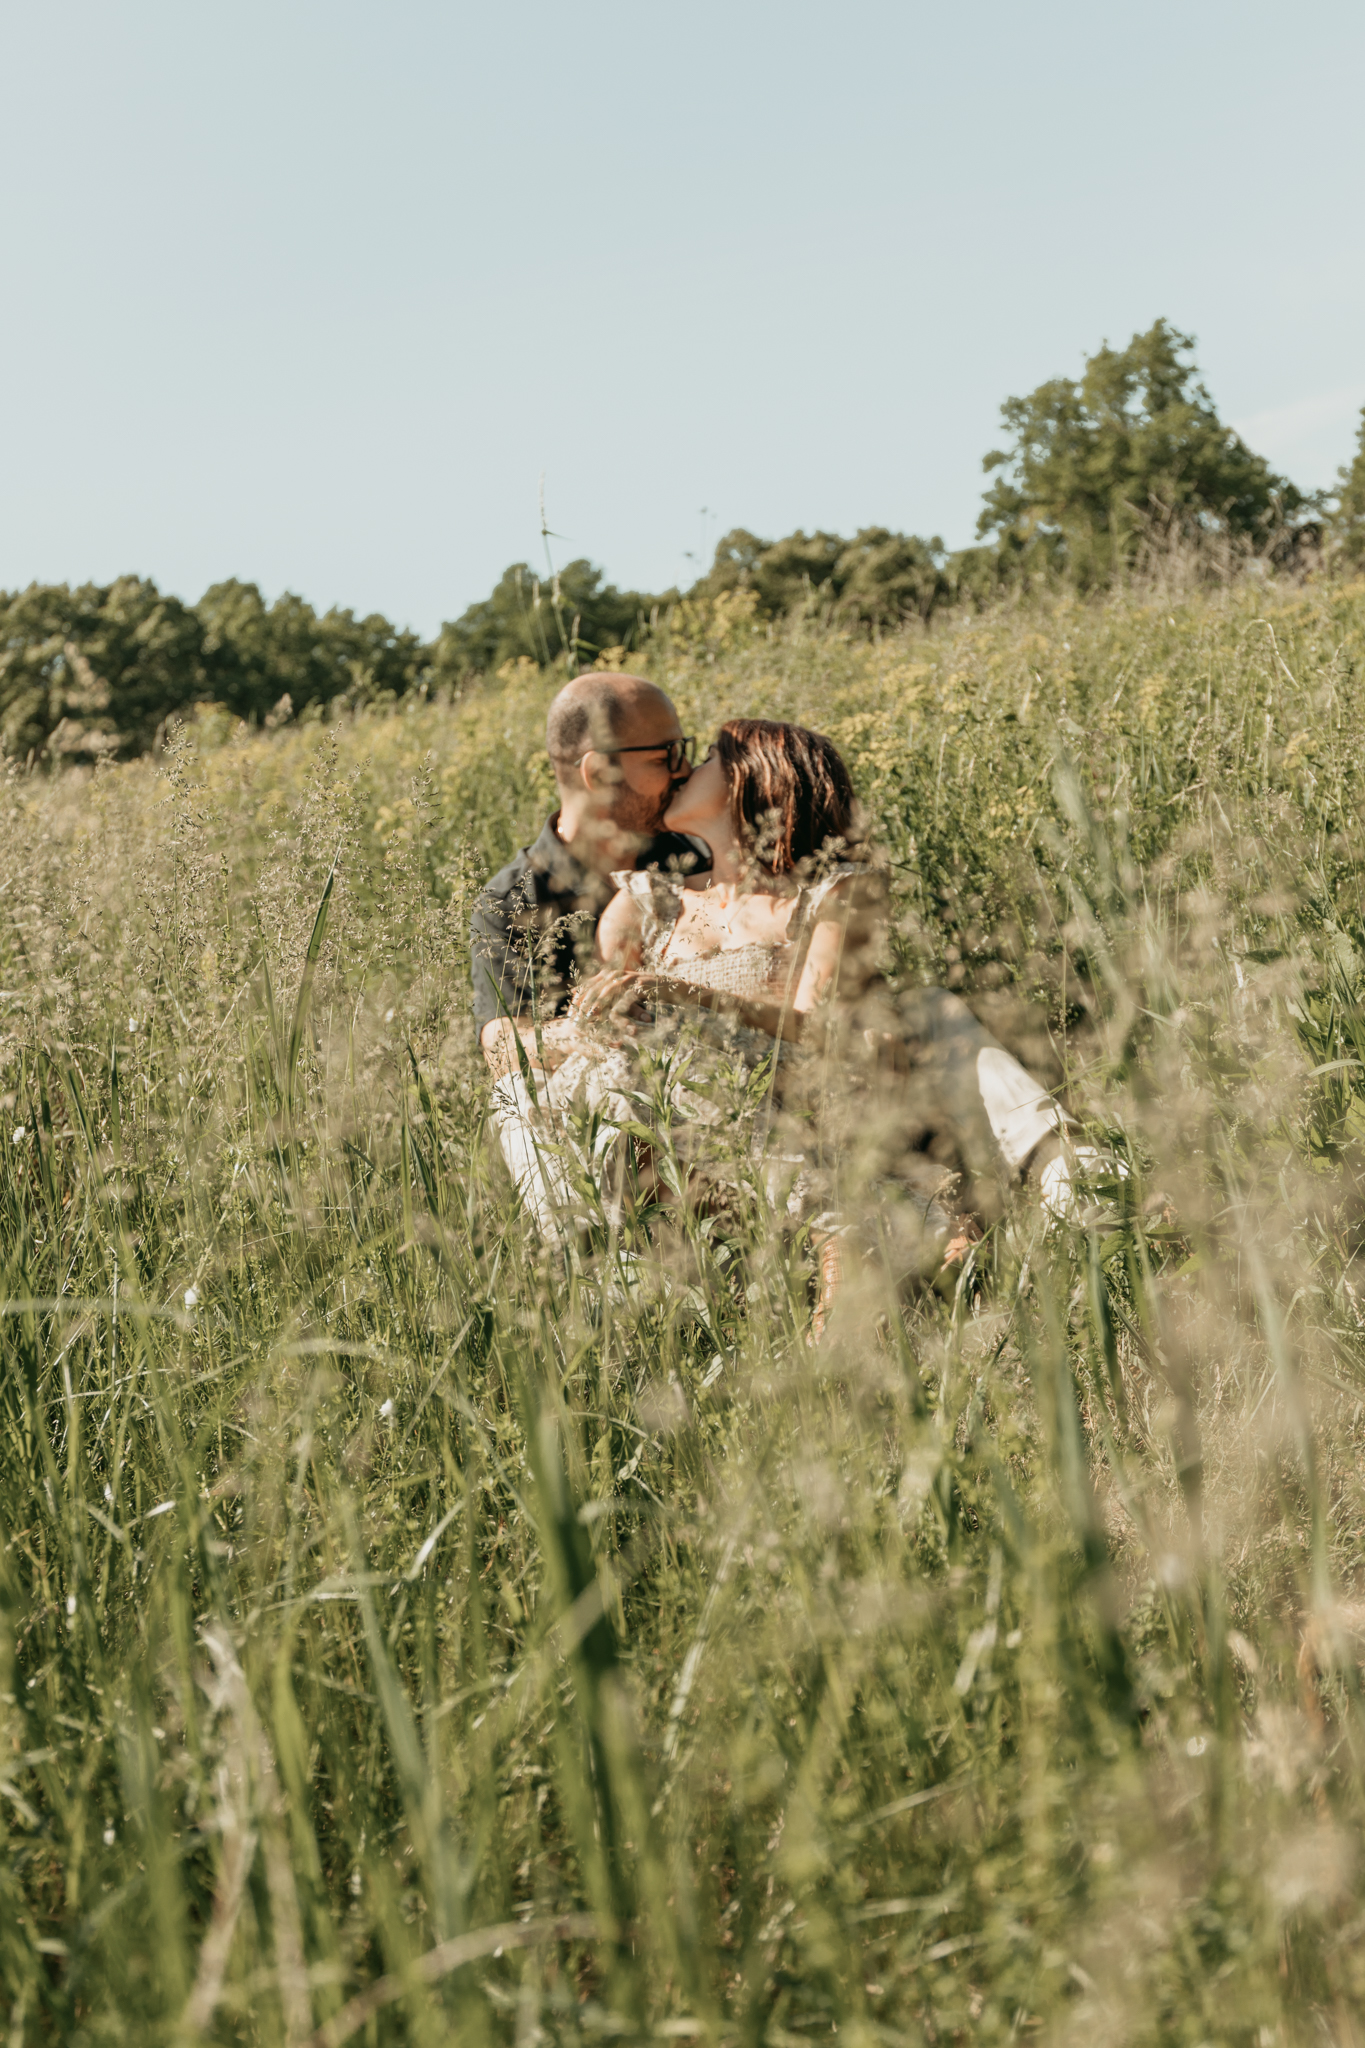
[{"x": 401, "y": 1632}]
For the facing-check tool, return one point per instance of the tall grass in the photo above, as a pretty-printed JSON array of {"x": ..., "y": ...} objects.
[{"x": 407, "y": 1629}]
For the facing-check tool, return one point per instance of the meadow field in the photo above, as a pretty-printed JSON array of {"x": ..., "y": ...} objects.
[{"x": 408, "y": 1633}]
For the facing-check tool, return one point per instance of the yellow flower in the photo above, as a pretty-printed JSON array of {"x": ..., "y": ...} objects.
[{"x": 1150, "y": 699}]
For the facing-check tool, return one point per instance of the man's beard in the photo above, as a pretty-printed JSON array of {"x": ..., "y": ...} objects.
[{"x": 642, "y": 815}]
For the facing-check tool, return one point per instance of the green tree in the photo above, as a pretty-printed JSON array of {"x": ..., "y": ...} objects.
[
  {"x": 878, "y": 579},
  {"x": 796, "y": 572},
  {"x": 256, "y": 656},
  {"x": 1136, "y": 445},
  {"x": 570, "y": 618},
  {"x": 882, "y": 579},
  {"x": 734, "y": 566},
  {"x": 99, "y": 669},
  {"x": 1346, "y": 521},
  {"x": 94, "y": 670}
]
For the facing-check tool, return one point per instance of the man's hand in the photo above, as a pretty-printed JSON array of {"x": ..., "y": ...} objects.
[{"x": 611, "y": 993}]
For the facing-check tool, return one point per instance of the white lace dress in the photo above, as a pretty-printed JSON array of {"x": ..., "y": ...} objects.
[
  {"x": 699, "y": 1077},
  {"x": 754, "y": 972}
]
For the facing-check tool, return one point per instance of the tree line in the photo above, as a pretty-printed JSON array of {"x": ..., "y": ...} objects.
[{"x": 1130, "y": 456}]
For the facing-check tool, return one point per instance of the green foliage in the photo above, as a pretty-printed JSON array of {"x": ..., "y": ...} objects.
[
  {"x": 879, "y": 579},
  {"x": 572, "y": 617},
  {"x": 1135, "y": 448},
  {"x": 405, "y": 1634},
  {"x": 94, "y": 671},
  {"x": 254, "y": 656},
  {"x": 1346, "y": 522}
]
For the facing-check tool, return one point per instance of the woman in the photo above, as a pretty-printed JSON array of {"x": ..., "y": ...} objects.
[
  {"x": 785, "y": 918},
  {"x": 789, "y": 919},
  {"x": 783, "y": 921}
]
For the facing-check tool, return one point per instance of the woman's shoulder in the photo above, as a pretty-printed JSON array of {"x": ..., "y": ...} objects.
[{"x": 649, "y": 888}]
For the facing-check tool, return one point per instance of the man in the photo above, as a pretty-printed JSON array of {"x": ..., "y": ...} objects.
[{"x": 618, "y": 754}]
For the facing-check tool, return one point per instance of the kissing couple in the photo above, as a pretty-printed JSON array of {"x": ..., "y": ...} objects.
[{"x": 681, "y": 989}]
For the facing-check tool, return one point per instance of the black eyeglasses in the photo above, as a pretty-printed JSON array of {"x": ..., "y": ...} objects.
[{"x": 675, "y": 752}]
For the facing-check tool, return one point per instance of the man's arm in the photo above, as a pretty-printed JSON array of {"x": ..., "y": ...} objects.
[
  {"x": 502, "y": 982},
  {"x": 500, "y": 974},
  {"x": 518, "y": 974}
]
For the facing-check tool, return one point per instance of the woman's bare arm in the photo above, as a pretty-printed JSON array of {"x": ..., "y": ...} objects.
[
  {"x": 844, "y": 955},
  {"x": 620, "y": 933}
]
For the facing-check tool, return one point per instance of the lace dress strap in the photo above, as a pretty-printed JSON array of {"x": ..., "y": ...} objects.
[{"x": 814, "y": 894}]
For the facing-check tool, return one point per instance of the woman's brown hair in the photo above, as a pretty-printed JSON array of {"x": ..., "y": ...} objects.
[{"x": 790, "y": 793}]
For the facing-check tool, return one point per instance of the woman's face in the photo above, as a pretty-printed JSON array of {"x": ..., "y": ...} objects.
[{"x": 703, "y": 798}]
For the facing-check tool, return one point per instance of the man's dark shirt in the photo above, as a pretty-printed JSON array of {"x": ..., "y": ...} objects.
[{"x": 532, "y": 930}]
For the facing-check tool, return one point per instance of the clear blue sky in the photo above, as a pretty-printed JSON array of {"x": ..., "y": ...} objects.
[{"x": 311, "y": 293}]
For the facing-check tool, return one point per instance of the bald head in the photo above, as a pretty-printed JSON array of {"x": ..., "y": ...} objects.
[
  {"x": 614, "y": 744},
  {"x": 604, "y": 710}
]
